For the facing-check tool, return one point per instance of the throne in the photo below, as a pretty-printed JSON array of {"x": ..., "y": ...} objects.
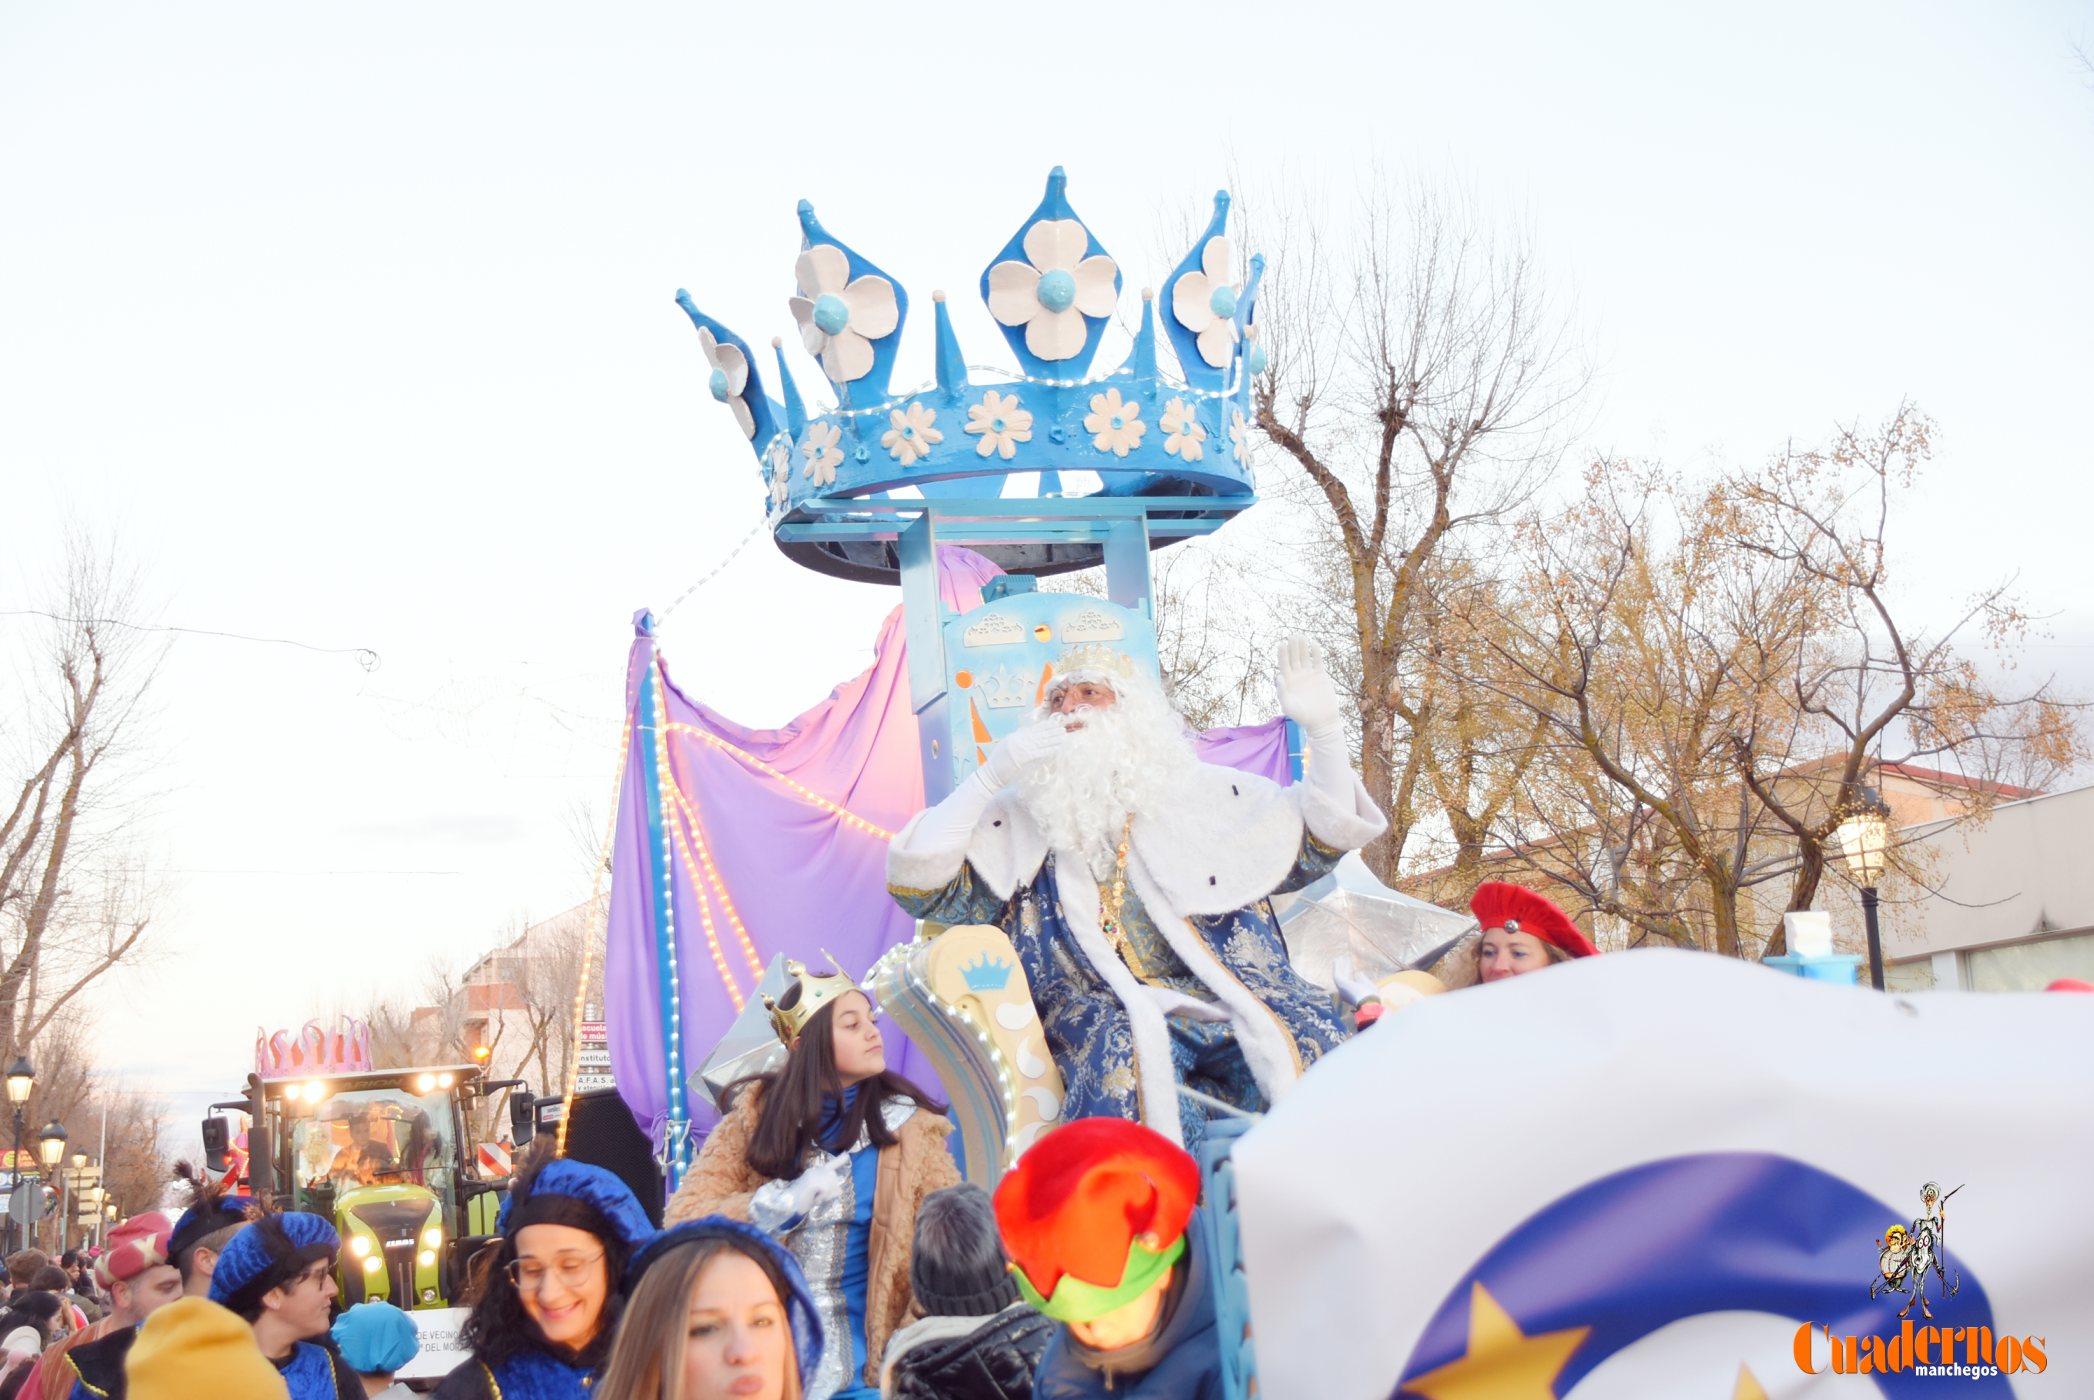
[{"x": 960, "y": 994}]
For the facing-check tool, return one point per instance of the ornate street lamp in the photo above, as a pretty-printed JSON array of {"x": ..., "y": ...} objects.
[
  {"x": 21, "y": 1083},
  {"x": 1864, "y": 834}
]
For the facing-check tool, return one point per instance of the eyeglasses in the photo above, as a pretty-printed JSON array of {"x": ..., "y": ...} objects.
[
  {"x": 314, "y": 1274},
  {"x": 528, "y": 1275}
]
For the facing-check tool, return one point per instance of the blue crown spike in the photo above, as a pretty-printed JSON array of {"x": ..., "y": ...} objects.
[
  {"x": 849, "y": 311},
  {"x": 795, "y": 411},
  {"x": 731, "y": 374},
  {"x": 1254, "y": 357},
  {"x": 1143, "y": 360},
  {"x": 1200, "y": 302},
  {"x": 952, "y": 365},
  {"x": 1053, "y": 288}
]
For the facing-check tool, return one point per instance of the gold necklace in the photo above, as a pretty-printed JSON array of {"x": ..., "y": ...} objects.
[{"x": 1111, "y": 904}]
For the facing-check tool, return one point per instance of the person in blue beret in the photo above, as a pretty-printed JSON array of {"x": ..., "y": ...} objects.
[
  {"x": 547, "y": 1294},
  {"x": 377, "y": 1339},
  {"x": 719, "y": 1311},
  {"x": 277, "y": 1274}
]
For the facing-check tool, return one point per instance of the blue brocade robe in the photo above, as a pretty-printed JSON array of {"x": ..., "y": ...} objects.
[{"x": 1215, "y": 1005}]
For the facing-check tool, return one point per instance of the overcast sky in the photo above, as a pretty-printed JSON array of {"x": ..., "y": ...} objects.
[{"x": 353, "y": 325}]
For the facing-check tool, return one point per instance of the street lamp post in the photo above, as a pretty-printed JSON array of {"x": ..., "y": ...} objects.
[
  {"x": 70, "y": 1180},
  {"x": 50, "y": 1150},
  {"x": 1864, "y": 834},
  {"x": 21, "y": 1083}
]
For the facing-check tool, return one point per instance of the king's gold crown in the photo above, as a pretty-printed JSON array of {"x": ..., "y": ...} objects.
[
  {"x": 1090, "y": 660},
  {"x": 807, "y": 994}
]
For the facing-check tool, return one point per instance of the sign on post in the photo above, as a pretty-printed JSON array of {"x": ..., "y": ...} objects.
[
  {"x": 25, "y": 1204},
  {"x": 592, "y": 1058}
]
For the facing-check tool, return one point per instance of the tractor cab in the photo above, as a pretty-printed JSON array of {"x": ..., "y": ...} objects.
[{"x": 384, "y": 1155}]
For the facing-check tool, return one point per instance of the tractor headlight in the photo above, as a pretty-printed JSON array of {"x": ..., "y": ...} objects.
[
  {"x": 427, "y": 1259},
  {"x": 433, "y": 1237},
  {"x": 374, "y": 1265},
  {"x": 359, "y": 1246},
  {"x": 425, "y": 1083}
]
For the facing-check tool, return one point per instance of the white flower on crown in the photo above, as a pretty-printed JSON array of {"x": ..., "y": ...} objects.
[
  {"x": 823, "y": 455},
  {"x": 1001, "y": 424},
  {"x": 1205, "y": 302},
  {"x": 1236, "y": 432},
  {"x": 840, "y": 316},
  {"x": 729, "y": 379},
  {"x": 780, "y": 458},
  {"x": 1182, "y": 434},
  {"x": 1054, "y": 289},
  {"x": 1115, "y": 426},
  {"x": 911, "y": 436}
]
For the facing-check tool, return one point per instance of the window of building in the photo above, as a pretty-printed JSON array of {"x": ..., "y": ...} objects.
[{"x": 2031, "y": 966}]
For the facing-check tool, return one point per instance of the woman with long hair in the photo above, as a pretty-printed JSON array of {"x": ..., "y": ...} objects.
[
  {"x": 831, "y": 1155},
  {"x": 718, "y": 1311},
  {"x": 547, "y": 1292}
]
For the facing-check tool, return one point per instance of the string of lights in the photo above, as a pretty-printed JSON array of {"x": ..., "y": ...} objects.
[
  {"x": 600, "y": 931},
  {"x": 713, "y": 880},
  {"x": 850, "y": 818}
]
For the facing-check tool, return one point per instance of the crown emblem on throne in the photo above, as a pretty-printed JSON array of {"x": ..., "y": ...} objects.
[
  {"x": 1052, "y": 291},
  {"x": 804, "y": 995},
  {"x": 986, "y": 974}
]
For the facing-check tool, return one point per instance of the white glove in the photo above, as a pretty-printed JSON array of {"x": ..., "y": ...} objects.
[
  {"x": 1306, "y": 694},
  {"x": 1022, "y": 748},
  {"x": 1353, "y": 987},
  {"x": 821, "y": 1182},
  {"x": 782, "y": 1206}
]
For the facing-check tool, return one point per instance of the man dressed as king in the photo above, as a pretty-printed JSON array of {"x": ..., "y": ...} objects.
[{"x": 1134, "y": 879}]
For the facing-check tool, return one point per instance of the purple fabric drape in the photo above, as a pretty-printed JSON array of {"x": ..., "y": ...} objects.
[{"x": 777, "y": 843}]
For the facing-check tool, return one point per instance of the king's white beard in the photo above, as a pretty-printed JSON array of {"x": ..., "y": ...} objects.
[{"x": 1118, "y": 764}]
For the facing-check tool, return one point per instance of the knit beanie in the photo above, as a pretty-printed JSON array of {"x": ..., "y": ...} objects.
[
  {"x": 194, "y": 1347},
  {"x": 268, "y": 1253},
  {"x": 957, "y": 1266},
  {"x": 537, "y": 1197},
  {"x": 134, "y": 1246}
]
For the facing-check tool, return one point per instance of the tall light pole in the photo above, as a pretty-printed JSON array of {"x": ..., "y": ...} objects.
[
  {"x": 21, "y": 1083},
  {"x": 1864, "y": 834},
  {"x": 50, "y": 1150},
  {"x": 71, "y": 1186}
]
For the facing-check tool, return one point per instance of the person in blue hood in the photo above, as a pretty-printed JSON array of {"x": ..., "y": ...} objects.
[{"x": 547, "y": 1297}]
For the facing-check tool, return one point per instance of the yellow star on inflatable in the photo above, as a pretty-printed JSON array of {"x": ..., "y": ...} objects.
[
  {"x": 1502, "y": 1363},
  {"x": 1749, "y": 1387}
]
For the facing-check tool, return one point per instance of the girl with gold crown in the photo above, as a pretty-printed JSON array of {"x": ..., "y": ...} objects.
[{"x": 832, "y": 1155}]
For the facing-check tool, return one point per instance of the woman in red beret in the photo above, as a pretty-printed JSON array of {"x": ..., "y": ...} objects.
[{"x": 1521, "y": 932}]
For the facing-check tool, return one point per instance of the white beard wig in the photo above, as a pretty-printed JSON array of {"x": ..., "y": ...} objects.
[{"x": 1119, "y": 763}]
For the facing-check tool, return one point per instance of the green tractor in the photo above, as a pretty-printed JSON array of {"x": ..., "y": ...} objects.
[{"x": 385, "y": 1155}]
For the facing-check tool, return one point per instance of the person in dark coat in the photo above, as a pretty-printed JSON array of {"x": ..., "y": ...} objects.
[
  {"x": 978, "y": 1339},
  {"x": 1099, "y": 1219}
]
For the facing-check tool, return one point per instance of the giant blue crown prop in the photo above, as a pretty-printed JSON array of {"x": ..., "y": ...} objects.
[{"x": 1174, "y": 443}]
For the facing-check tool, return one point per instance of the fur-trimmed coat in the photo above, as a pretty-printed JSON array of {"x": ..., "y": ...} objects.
[
  {"x": 722, "y": 1182},
  {"x": 1201, "y": 867}
]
